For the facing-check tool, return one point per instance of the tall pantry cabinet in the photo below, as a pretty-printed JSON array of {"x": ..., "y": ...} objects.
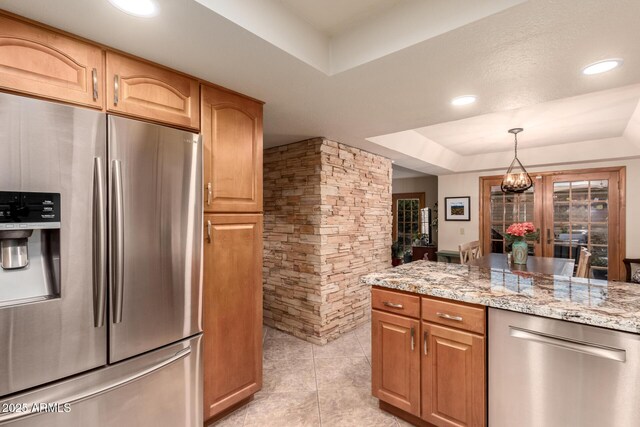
[{"x": 232, "y": 303}]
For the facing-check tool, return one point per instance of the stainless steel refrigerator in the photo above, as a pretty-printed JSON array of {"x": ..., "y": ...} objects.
[{"x": 100, "y": 269}]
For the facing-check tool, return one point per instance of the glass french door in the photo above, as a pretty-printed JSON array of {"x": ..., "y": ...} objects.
[
  {"x": 406, "y": 218},
  {"x": 583, "y": 212},
  {"x": 572, "y": 210},
  {"x": 505, "y": 209}
]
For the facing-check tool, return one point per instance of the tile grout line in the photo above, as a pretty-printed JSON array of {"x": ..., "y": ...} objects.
[
  {"x": 315, "y": 375},
  {"x": 246, "y": 414},
  {"x": 363, "y": 350}
]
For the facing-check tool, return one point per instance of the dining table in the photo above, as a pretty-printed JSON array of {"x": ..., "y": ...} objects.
[{"x": 535, "y": 264}]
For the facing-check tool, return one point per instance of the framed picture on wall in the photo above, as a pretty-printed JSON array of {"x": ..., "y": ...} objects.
[{"x": 457, "y": 209}]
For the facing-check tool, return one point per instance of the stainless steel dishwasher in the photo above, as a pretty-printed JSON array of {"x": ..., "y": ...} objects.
[{"x": 553, "y": 373}]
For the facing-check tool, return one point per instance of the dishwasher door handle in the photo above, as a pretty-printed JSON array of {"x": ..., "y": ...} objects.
[{"x": 569, "y": 344}]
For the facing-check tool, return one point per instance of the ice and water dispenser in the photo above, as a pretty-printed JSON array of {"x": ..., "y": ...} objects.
[{"x": 29, "y": 246}]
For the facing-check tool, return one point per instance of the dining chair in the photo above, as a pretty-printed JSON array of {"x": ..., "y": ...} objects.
[
  {"x": 627, "y": 263},
  {"x": 469, "y": 251},
  {"x": 584, "y": 264}
]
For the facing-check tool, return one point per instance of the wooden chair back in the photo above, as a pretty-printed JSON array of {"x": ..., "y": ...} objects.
[
  {"x": 469, "y": 251},
  {"x": 627, "y": 264},
  {"x": 584, "y": 264}
]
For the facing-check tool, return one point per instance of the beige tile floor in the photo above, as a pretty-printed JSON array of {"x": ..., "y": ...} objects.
[{"x": 310, "y": 385}]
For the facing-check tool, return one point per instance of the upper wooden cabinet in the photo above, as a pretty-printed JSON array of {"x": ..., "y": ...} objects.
[
  {"x": 43, "y": 63},
  {"x": 232, "y": 138},
  {"x": 232, "y": 307},
  {"x": 143, "y": 90}
]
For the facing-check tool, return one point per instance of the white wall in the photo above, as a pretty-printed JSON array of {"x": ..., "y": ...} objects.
[
  {"x": 453, "y": 233},
  {"x": 427, "y": 185}
]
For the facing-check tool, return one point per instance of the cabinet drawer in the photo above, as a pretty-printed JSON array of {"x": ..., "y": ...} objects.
[
  {"x": 454, "y": 314},
  {"x": 396, "y": 302}
]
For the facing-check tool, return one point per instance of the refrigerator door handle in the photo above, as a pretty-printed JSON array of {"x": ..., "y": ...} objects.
[
  {"x": 591, "y": 349},
  {"x": 13, "y": 416},
  {"x": 99, "y": 245},
  {"x": 117, "y": 240}
]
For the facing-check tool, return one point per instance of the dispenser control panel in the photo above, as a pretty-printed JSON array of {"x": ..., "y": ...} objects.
[{"x": 29, "y": 210}]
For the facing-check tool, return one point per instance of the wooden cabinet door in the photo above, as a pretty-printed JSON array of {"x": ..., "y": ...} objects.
[
  {"x": 140, "y": 89},
  {"x": 232, "y": 310},
  {"x": 453, "y": 377},
  {"x": 232, "y": 138},
  {"x": 46, "y": 64},
  {"x": 395, "y": 360}
]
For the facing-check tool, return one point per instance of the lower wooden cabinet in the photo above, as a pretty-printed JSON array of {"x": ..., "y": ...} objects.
[
  {"x": 232, "y": 310},
  {"x": 395, "y": 360},
  {"x": 430, "y": 363},
  {"x": 453, "y": 377}
]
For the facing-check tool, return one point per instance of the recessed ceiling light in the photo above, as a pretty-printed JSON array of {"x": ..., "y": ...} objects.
[
  {"x": 463, "y": 100},
  {"x": 141, "y": 8},
  {"x": 601, "y": 66}
]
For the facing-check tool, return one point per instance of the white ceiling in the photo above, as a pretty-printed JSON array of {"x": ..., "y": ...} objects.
[
  {"x": 335, "y": 16},
  {"x": 409, "y": 63},
  {"x": 334, "y": 36},
  {"x": 598, "y": 115},
  {"x": 602, "y": 125}
]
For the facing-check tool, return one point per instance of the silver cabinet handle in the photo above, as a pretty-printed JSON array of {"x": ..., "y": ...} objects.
[
  {"x": 117, "y": 240},
  {"x": 548, "y": 236},
  {"x": 569, "y": 344},
  {"x": 94, "y": 75},
  {"x": 209, "y": 231},
  {"x": 99, "y": 249},
  {"x": 413, "y": 338},
  {"x": 209, "y": 193},
  {"x": 12, "y": 416},
  {"x": 392, "y": 305},
  {"x": 116, "y": 89},
  {"x": 449, "y": 317},
  {"x": 425, "y": 338}
]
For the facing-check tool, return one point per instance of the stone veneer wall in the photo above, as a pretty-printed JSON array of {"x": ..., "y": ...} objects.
[{"x": 327, "y": 221}]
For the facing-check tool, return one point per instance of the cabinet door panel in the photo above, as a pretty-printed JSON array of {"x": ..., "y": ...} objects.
[
  {"x": 453, "y": 377},
  {"x": 232, "y": 310},
  {"x": 140, "y": 89},
  {"x": 232, "y": 137},
  {"x": 396, "y": 361},
  {"x": 41, "y": 62}
]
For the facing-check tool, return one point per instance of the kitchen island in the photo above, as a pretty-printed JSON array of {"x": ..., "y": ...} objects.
[
  {"x": 454, "y": 344},
  {"x": 612, "y": 305}
]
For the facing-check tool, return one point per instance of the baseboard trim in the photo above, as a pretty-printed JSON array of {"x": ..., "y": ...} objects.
[
  {"x": 410, "y": 418},
  {"x": 227, "y": 411}
]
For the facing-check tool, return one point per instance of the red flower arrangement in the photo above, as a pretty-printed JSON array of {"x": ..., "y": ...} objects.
[{"x": 521, "y": 231}]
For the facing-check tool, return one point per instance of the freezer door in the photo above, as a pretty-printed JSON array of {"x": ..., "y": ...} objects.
[
  {"x": 155, "y": 176},
  {"x": 159, "y": 389},
  {"x": 56, "y": 327}
]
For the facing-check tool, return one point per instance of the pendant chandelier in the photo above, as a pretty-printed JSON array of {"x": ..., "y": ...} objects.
[{"x": 517, "y": 179}]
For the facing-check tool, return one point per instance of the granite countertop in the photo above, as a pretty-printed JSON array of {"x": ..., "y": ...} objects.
[{"x": 613, "y": 305}]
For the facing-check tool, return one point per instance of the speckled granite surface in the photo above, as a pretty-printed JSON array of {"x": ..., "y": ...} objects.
[{"x": 613, "y": 305}]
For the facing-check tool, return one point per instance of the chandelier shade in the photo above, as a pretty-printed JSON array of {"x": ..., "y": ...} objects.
[{"x": 516, "y": 179}]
